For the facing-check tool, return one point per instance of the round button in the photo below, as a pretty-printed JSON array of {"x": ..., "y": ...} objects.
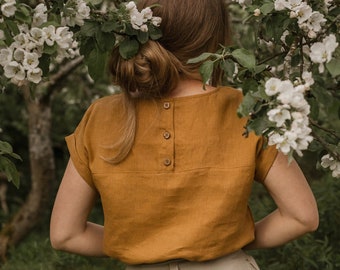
[
  {"x": 166, "y": 105},
  {"x": 166, "y": 135},
  {"x": 167, "y": 162}
]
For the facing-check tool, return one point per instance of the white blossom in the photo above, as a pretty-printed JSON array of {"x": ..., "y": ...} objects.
[
  {"x": 21, "y": 40},
  {"x": 156, "y": 21},
  {"x": 6, "y": 56},
  {"x": 31, "y": 61},
  {"x": 328, "y": 2},
  {"x": 285, "y": 143},
  {"x": 272, "y": 86},
  {"x": 144, "y": 28},
  {"x": 139, "y": 20},
  {"x": 279, "y": 115},
  {"x": 303, "y": 12},
  {"x": 257, "y": 12},
  {"x": 14, "y": 70},
  {"x": 37, "y": 36},
  {"x": 130, "y": 6},
  {"x": 83, "y": 13},
  {"x": 34, "y": 75},
  {"x": 50, "y": 35},
  {"x": 315, "y": 21},
  {"x": 308, "y": 79},
  {"x": 290, "y": 114},
  {"x": 64, "y": 37},
  {"x": 146, "y": 13},
  {"x": 9, "y": 8},
  {"x": 327, "y": 161},
  {"x": 321, "y": 52},
  {"x": 40, "y": 15},
  {"x": 280, "y": 5},
  {"x": 19, "y": 55},
  {"x": 78, "y": 11}
]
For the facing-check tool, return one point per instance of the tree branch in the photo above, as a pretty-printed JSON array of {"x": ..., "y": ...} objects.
[{"x": 62, "y": 73}]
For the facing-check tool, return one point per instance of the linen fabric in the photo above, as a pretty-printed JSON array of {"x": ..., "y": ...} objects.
[{"x": 182, "y": 192}]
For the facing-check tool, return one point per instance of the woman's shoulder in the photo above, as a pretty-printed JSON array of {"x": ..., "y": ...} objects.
[{"x": 230, "y": 93}]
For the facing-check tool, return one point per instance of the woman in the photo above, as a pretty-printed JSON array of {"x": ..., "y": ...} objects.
[{"x": 169, "y": 162}]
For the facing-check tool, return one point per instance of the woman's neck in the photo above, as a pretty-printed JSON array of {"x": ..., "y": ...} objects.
[{"x": 190, "y": 87}]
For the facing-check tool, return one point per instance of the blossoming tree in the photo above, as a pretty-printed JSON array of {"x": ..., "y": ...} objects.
[
  {"x": 40, "y": 45},
  {"x": 289, "y": 75}
]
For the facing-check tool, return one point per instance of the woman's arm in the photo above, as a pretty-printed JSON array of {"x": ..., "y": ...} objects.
[
  {"x": 69, "y": 229},
  {"x": 296, "y": 212}
]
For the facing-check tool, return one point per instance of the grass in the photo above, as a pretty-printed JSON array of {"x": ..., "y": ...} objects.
[{"x": 36, "y": 253}]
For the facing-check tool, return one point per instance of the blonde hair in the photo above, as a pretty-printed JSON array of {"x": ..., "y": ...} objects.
[{"x": 189, "y": 28}]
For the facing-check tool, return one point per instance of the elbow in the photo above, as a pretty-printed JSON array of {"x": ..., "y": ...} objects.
[
  {"x": 313, "y": 223},
  {"x": 310, "y": 221},
  {"x": 59, "y": 240}
]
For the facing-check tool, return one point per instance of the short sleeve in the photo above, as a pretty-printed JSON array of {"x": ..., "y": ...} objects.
[
  {"x": 264, "y": 159},
  {"x": 76, "y": 144}
]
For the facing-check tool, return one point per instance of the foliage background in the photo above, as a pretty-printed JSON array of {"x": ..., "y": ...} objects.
[{"x": 319, "y": 250}]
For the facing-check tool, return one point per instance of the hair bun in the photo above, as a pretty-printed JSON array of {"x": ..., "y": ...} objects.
[{"x": 153, "y": 72}]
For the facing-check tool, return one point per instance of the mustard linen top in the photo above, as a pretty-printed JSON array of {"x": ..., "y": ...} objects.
[{"x": 182, "y": 191}]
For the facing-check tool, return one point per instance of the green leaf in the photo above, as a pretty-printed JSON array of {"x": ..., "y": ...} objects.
[
  {"x": 89, "y": 29},
  {"x": 96, "y": 63},
  {"x": 267, "y": 8},
  {"x": 105, "y": 41},
  {"x": 201, "y": 58},
  {"x": 13, "y": 27},
  {"x": 9, "y": 169},
  {"x": 206, "y": 70},
  {"x": 249, "y": 85},
  {"x": 247, "y": 105},
  {"x": 87, "y": 44},
  {"x": 110, "y": 26},
  {"x": 44, "y": 63},
  {"x": 228, "y": 66},
  {"x": 245, "y": 58},
  {"x": 258, "y": 69},
  {"x": 334, "y": 67},
  {"x": 50, "y": 49},
  {"x": 275, "y": 24},
  {"x": 143, "y": 37},
  {"x": 155, "y": 32},
  {"x": 314, "y": 108},
  {"x": 5, "y": 148},
  {"x": 23, "y": 14},
  {"x": 128, "y": 48},
  {"x": 260, "y": 124}
]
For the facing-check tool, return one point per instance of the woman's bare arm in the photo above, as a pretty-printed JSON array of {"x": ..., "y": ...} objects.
[
  {"x": 296, "y": 212},
  {"x": 69, "y": 229}
]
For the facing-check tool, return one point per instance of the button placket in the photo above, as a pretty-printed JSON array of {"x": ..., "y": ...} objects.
[{"x": 168, "y": 138}]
